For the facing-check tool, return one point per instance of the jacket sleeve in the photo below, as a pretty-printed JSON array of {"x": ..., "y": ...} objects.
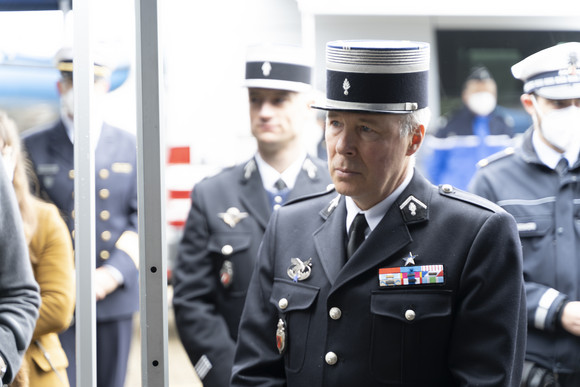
[
  {"x": 257, "y": 360},
  {"x": 19, "y": 295},
  {"x": 54, "y": 272},
  {"x": 202, "y": 329},
  {"x": 491, "y": 309}
]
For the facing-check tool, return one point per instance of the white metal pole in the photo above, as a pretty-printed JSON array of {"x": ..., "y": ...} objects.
[
  {"x": 151, "y": 184},
  {"x": 84, "y": 188}
]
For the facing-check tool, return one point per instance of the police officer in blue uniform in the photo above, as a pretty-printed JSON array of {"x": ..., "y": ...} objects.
[
  {"x": 478, "y": 129},
  {"x": 538, "y": 183},
  {"x": 427, "y": 288},
  {"x": 230, "y": 211},
  {"x": 116, "y": 277}
]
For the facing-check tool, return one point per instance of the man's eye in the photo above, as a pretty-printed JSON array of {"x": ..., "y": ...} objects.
[{"x": 366, "y": 129}]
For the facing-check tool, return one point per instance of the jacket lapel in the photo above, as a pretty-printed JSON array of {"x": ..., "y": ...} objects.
[
  {"x": 329, "y": 239},
  {"x": 253, "y": 195},
  {"x": 60, "y": 145},
  {"x": 383, "y": 246}
]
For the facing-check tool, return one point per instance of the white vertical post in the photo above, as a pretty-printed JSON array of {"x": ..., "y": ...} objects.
[
  {"x": 84, "y": 188},
  {"x": 151, "y": 184}
]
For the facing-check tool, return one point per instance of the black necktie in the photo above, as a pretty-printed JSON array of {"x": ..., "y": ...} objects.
[
  {"x": 356, "y": 234},
  {"x": 562, "y": 166},
  {"x": 280, "y": 185}
]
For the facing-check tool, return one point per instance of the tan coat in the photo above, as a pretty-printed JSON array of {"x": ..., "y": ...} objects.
[{"x": 54, "y": 272}]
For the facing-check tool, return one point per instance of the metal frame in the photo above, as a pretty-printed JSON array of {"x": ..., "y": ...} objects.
[
  {"x": 150, "y": 143},
  {"x": 150, "y": 158}
]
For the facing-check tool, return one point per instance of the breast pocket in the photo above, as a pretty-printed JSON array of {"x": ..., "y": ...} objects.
[
  {"x": 410, "y": 332},
  {"x": 533, "y": 229},
  {"x": 234, "y": 260},
  {"x": 294, "y": 303}
]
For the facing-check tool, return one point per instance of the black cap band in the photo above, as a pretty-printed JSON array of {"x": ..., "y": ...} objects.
[
  {"x": 279, "y": 71},
  {"x": 378, "y": 88}
]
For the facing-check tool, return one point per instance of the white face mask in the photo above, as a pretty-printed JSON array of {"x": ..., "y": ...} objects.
[
  {"x": 481, "y": 103},
  {"x": 561, "y": 127}
]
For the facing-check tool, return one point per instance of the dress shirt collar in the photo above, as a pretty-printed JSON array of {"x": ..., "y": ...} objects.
[
  {"x": 270, "y": 176},
  {"x": 378, "y": 211},
  {"x": 69, "y": 126}
]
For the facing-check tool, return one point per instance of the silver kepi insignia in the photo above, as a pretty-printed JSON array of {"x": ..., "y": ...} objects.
[
  {"x": 232, "y": 216},
  {"x": 281, "y": 336},
  {"x": 299, "y": 270}
]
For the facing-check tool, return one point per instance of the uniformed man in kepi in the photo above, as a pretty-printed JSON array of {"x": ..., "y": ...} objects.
[
  {"x": 388, "y": 279},
  {"x": 116, "y": 277},
  {"x": 230, "y": 211},
  {"x": 538, "y": 182}
]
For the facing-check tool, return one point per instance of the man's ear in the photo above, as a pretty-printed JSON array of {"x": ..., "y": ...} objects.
[
  {"x": 526, "y": 100},
  {"x": 416, "y": 139}
]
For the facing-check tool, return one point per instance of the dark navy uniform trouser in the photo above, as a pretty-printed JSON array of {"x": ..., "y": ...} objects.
[{"x": 113, "y": 346}]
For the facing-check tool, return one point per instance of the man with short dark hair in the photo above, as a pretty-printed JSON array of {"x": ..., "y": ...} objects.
[{"x": 230, "y": 211}]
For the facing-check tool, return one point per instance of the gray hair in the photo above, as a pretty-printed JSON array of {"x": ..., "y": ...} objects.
[{"x": 410, "y": 121}]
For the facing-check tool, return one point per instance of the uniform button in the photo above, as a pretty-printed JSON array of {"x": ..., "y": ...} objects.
[
  {"x": 104, "y": 173},
  {"x": 335, "y": 313},
  {"x": 71, "y": 174},
  {"x": 104, "y": 193},
  {"x": 72, "y": 233},
  {"x": 105, "y": 215},
  {"x": 560, "y": 230},
  {"x": 283, "y": 303},
  {"x": 331, "y": 358},
  {"x": 410, "y": 315},
  {"x": 106, "y": 236},
  {"x": 447, "y": 188},
  {"x": 278, "y": 199},
  {"x": 104, "y": 254},
  {"x": 276, "y": 206},
  {"x": 227, "y": 249},
  {"x": 72, "y": 214}
]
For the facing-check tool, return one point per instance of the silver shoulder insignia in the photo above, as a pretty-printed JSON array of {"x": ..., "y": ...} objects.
[
  {"x": 249, "y": 168},
  {"x": 232, "y": 216},
  {"x": 299, "y": 270},
  {"x": 310, "y": 168}
]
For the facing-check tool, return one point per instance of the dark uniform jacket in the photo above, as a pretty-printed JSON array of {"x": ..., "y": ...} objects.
[
  {"x": 216, "y": 256},
  {"x": 339, "y": 327},
  {"x": 51, "y": 153},
  {"x": 546, "y": 207}
]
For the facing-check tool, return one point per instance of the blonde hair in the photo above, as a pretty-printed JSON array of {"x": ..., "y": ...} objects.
[{"x": 10, "y": 137}]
